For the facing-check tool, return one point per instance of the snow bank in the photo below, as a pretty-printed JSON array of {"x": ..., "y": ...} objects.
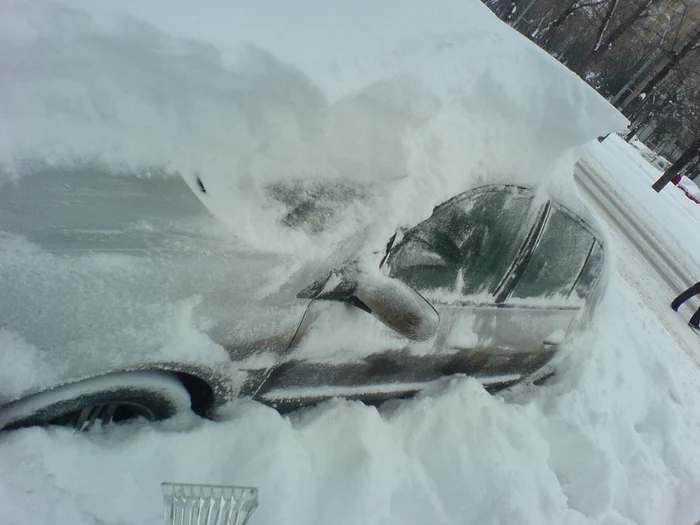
[
  {"x": 23, "y": 368},
  {"x": 614, "y": 440},
  {"x": 416, "y": 103}
]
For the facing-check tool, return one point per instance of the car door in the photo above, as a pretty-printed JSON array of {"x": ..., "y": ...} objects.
[
  {"x": 508, "y": 274},
  {"x": 543, "y": 293},
  {"x": 456, "y": 259},
  {"x": 485, "y": 241}
]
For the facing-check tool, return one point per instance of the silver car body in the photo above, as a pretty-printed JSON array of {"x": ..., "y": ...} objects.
[{"x": 103, "y": 273}]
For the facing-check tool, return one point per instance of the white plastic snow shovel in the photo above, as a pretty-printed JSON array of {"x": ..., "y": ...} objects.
[{"x": 208, "y": 504}]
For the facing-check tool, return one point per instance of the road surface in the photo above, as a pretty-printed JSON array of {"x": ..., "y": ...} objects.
[{"x": 665, "y": 275}]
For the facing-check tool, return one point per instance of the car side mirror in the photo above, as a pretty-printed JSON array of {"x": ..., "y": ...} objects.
[{"x": 390, "y": 301}]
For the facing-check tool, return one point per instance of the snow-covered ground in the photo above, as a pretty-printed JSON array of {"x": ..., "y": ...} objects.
[
  {"x": 627, "y": 172},
  {"x": 613, "y": 438}
]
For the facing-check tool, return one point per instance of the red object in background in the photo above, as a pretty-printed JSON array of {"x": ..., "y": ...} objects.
[{"x": 676, "y": 181}]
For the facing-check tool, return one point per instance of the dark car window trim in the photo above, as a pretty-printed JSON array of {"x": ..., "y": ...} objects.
[
  {"x": 519, "y": 266},
  {"x": 486, "y": 188},
  {"x": 578, "y": 220},
  {"x": 583, "y": 266},
  {"x": 523, "y": 256},
  {"x": 515, "y": 306}
]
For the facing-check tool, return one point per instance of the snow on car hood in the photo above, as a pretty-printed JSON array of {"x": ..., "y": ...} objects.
[{"x": 406, "y": 107}]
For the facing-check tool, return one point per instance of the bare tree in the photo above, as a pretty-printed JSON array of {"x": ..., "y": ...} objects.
[
  {"x": 638, "y": 52},
  {"x": 674, "y": 105},
  {"x": 506, "y": 10},
  {"x": 688, "y": 156},
  {"x": 653, "y": 108},
  {"x": 692, "y": 170},
  {"x": 606, "y": 38},
  {"x": 674, "y": 60},
  {"x": 545, "y": 36}
]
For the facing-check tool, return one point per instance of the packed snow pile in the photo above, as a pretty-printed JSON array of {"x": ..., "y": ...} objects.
[
  {"x": 413, "y": 104},
  {"x": 613, "y": 440}
]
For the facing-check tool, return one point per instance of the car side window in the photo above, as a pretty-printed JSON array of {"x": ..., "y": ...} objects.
[
  {"x": 591, "y": 271},
  {"x": 467, "y": 245},
  {"x": 566, "y": 259}
]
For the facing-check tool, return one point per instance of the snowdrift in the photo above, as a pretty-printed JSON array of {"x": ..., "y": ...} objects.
[{"x": 411, "y": 105}]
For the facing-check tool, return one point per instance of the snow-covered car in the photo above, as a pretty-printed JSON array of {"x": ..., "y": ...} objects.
[
  {"x": 332, "y": 211},
  {"x": 659, "y": 162},
  {"x": 688, "y": 187},
  {"x": 487, "y": 286}
]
